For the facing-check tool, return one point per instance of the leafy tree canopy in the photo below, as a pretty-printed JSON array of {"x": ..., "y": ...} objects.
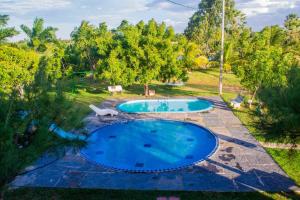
[
  {"x": 6, "y": 32},
  {"x": 38, "y": 35},
  {"x": 18, "y": 68},
  {"x": 204, "y": 26}
]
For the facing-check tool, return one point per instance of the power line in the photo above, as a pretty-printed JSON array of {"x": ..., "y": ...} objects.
[{"x": 179, "y": 4}]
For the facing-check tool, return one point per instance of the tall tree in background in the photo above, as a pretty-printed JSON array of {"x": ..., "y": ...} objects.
[
  {"x": 292, "y": 25},
  {"x": 120, "y": 54},
  {"x": 38, "y": 35},
  {"x": 142, "y": 53},
  {"x": 266, "y": 63},
  {"x": 204, "y": 26},
  {"x": 84, "y": 49},
  {"x": 6, "y": 32}
]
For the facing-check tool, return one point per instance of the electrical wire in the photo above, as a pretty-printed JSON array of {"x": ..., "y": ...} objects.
[{"x": 179, "y": 4}]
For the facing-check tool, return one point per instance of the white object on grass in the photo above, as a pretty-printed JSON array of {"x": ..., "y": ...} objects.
[
  {"x": 236, "y": 103},
  {"x": 103, "y": 112},
  {"x": 116, "y": 88},
  {"x": 175, "y": 83}
]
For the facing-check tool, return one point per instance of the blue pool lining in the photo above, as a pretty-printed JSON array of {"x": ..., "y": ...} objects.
[
  {"x": 211, "y": 106},
  {"x": 156, "y": 170}
]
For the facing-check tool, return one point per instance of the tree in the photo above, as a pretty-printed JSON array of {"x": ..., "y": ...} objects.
[
  {"x": 283, "y": 106},
  {"x": 204, "y": 26},
  {"x": 267, "y": 64},
  {"x": 151, "y": 61},
  {"x": 17, "y": 71},
  {"x": 292, "y": 43},
  {"x": 84, "y": 48},
  {"x": 292, "y": 22},
  {"x": 120, "y": 54},
  {"x": 39, "y": 36},
  {"x": 54, "y": 65},
  {"x": 173, "y": 67},
  {"x": 141, "y": 53},
  {"x": 6, "y": 32},
  {"x": 17, "y": 68}
]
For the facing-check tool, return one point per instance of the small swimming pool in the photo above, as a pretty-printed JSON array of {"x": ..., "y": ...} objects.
[
  {"x": 149, "y": 145},
  {"x": 165, "y": 106}
]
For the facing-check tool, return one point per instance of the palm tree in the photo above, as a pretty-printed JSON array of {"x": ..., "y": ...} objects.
[
  {"x": 38, "y": 35},
  {"x": 4, "y": 31}
]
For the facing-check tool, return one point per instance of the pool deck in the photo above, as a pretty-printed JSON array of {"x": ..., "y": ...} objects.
[{"x": 239, "y": 163}]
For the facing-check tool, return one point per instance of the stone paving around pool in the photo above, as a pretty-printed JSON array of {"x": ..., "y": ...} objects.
[{"x": 239, "y": 164}]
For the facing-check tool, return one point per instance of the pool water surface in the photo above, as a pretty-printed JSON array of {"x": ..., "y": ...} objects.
[
  {"x": 149, "y": 145},
  {"x": 165, "y": 106}
]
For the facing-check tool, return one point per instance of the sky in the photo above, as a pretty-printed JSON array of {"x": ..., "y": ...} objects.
[{"x": 67, "y": 14}]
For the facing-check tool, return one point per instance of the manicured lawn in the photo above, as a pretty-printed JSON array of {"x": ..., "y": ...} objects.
[
  {"x": 289, "y": 161},
  {"x": 74, "y": 194},
  {"x": 201, "y": 83}
]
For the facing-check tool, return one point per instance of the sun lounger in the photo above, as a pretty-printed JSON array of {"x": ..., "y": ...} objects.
[
  {"x": 103, "y": 112},
  {"x": 236, "y": 103}
]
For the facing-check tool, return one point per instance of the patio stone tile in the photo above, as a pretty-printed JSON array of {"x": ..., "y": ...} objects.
[
  {"x": 239, "y": 163},
  {"x": 212, "y": 182},
  {"x": 71, "y": 179}
]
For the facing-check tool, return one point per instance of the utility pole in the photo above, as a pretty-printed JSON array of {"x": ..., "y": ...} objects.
[{"x": 222, "y": 50}]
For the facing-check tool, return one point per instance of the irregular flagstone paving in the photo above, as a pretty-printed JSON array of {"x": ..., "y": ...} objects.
[{"x": 239, "y": 164}]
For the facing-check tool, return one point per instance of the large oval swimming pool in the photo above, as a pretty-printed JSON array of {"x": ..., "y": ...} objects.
[
  {"x": 149, "y": 145},
  {"x": 165, "y": 106}
]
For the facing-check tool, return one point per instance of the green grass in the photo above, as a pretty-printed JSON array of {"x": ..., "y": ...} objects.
[
  {"x": 90, "y": 194},
  {"x": 201, "y": 83},
  {"x": 289, "y": 161}
]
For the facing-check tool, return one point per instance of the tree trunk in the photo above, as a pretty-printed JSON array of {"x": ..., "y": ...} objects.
[
  {"x": 146, "y": 89},
  {"x": 20, "y": 89},
  {"x": 93, "y": 68},
  {"x": 11, "y": 101},
  {"x": 253, "y": 96}
]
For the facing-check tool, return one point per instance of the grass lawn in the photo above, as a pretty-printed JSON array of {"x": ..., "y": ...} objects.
[
  {"x": 201, "y": 83},
  {"x": 90, "y": 194},
  {"x": 289, "y": 161}
]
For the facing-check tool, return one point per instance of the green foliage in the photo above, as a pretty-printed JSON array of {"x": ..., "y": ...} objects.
[
  {"x": 83, "y": 51},
  {"x": 204, "y": 26},
  {"x": 6, "y": 32},
  {"x": 18, "y": 68},
  {"x": 28, "y": 84},
  {"x": 267, "y": 64},
  {"x": 54, "y": 64},
  {"x": 119, "y": 54},
  {"x": 283, "y": 106},
  {"x": 292, "y": 42},
  {"x": 142, "y": 53},
  {"x": 39, "y": 36}
]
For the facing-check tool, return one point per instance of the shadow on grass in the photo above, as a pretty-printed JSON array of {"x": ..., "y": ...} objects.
[{"x": 163, "y": 90}]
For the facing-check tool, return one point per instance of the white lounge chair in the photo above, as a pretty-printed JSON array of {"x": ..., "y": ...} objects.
[
  {"x": 103, "y": 112},
  {"x": 236, "y": 103},
  {"x": 116, "y": 88}
]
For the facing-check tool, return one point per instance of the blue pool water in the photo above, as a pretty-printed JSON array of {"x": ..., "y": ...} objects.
[
  {"x": 149, "y": 145},
  {"x": 165, "y": 105}
]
